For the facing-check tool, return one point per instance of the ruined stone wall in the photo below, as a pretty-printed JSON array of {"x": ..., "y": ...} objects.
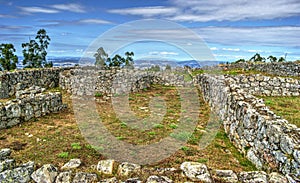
[
  {"x": 267, "y": 140},
  {"x": 278, "y": 69},
  {"x": 107, "y": 82},
  {"x": 267, "y": 86},
  {"x": 30, "y": 103},
  {"x": 11, "y": 82}
]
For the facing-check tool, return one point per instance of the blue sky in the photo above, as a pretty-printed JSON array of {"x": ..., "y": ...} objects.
[{"x": 230, "y": 29}]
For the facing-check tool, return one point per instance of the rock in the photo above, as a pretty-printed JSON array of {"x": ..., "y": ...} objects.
[
  {"x": 4, "y": 154},
  {"x": 253, "y": 177},
  {"x": 254, "y": 159},
  {"x": 63, "y": 177},
  {"x": 275, "y": 177},
  {"x": 286, "y": 144},
  {"x": 20, "y": 175},
  {"x": 133, "y": 180},
  {"x": 29, "y": 166},
  {"x": 158, "y": 179},
  {"x": 73, "y": 163},
  {"x": 46, "y": 174},
  {"x": 7, "y": 164},
  {"x": 126, "y": 169},
  {"x": 106, "y": 166},
  {"x": 196, "y": 171},
  {"x": 82, "y": 177},
  {"x": 292, "y": 179},
  {"x": 111, "y": 180},
  {"x": 226, "y": 176}
]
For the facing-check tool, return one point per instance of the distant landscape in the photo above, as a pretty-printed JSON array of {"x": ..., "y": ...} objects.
[{"x": 72, "y": 61}]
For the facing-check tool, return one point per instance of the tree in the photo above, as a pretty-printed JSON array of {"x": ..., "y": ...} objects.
[
  {"x": 104, "y": 61},
  {"x": 8, "y": 60},
  {"x": 272, "y": 58},
  {"x": 168, "y": 67},
  {"x": 129, "y": 60},
  {"x": 155, "y": 68},
  {"x": 116, "y": 61},
  {"x": 240, "y": 60},
  {"x": 281, "y": 59},
  {"x": 101, "y": 57},
  {"x": 257, "y": 58},
  {"x": 34, "y": 51}
]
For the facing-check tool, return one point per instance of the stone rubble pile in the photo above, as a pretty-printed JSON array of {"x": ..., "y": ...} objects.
[{"x": 126, "y": 173}]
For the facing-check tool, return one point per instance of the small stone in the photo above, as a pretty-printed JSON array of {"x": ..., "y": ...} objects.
[
  {"x": 106, "y": 166},
  {"x": 46, "y": 174},
  {"x": 125, "y": 169},
  {"x": 20, "y": 175},
  {"x": 110, "y": 180},
  {"x": 4, "y": 153},
  {"x": 158, "y": 179},
  {"x": 7, "y": 164},
  {"x": 275, "y": 177},
  {"x": 29, "y": 166},
  {"x": 227, "y": 175},
  {"x": 196, "y": 171},
  {"x": 85, "y": 177},
  {"x": 253, "y": 177},
  {"x": 63, "y": 177},
  {"x": 72, "y": 164},
  {"x": 133, "y": 180}
]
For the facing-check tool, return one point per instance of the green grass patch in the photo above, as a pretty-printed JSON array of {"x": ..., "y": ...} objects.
[{"x": 286, "y": 107}]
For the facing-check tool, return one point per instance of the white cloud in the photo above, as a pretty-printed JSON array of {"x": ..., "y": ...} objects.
[
  {"x": 253, "y": 36},
  {"x": 216, "y": 10},
  {"x": 6, "y": 16},
  {"x": 162, "y": 53},
  {"x": 70, "y": 7},
  {"x": 254, "y": 51},
  {"x": 213, "y": 48},
  {"x": 94, "y": 21},
  {"x": 29, "y": 10},
  {"x": 231, "y": 49},
  {"x": 149, "y": 11},
  {"x": 57, "y": 51}
]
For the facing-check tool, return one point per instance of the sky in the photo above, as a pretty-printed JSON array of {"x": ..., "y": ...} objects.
[{"x": 230, "y": 30}]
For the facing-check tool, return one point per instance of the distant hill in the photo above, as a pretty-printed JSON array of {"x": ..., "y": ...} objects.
[{"x": 71, "y": 61}]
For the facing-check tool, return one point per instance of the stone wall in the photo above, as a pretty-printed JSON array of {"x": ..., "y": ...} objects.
[
  {"x": 278, "y": 69},
  {"x": 89, "y": 81},
  {"x": 267, "y": 86},
  {"x": 29, "y": 103},
  {"x": 267, "y": 140},
  {"x": 11, "y": 82}
]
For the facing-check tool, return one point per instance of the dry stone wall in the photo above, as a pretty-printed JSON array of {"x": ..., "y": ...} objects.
[
  {"x": 266, "y": 85},
  {"x": 29, "y": 103},
  {"x": 89, "y": 81},
  {"x": 11, "y": 82},
  {"x": 278, "y": 69},
  {"x": 267, "y": 140}
]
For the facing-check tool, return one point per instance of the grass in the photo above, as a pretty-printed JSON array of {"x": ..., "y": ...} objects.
[
  {"x": 56, "y": 138},
  {"x": 286, "y": 107}
]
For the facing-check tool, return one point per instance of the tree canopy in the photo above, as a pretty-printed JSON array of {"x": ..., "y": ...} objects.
[
  {"x": 8, "y": 60},
  {"x": 103, "y": 61},
  {"x": 34, "y": 51}
]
